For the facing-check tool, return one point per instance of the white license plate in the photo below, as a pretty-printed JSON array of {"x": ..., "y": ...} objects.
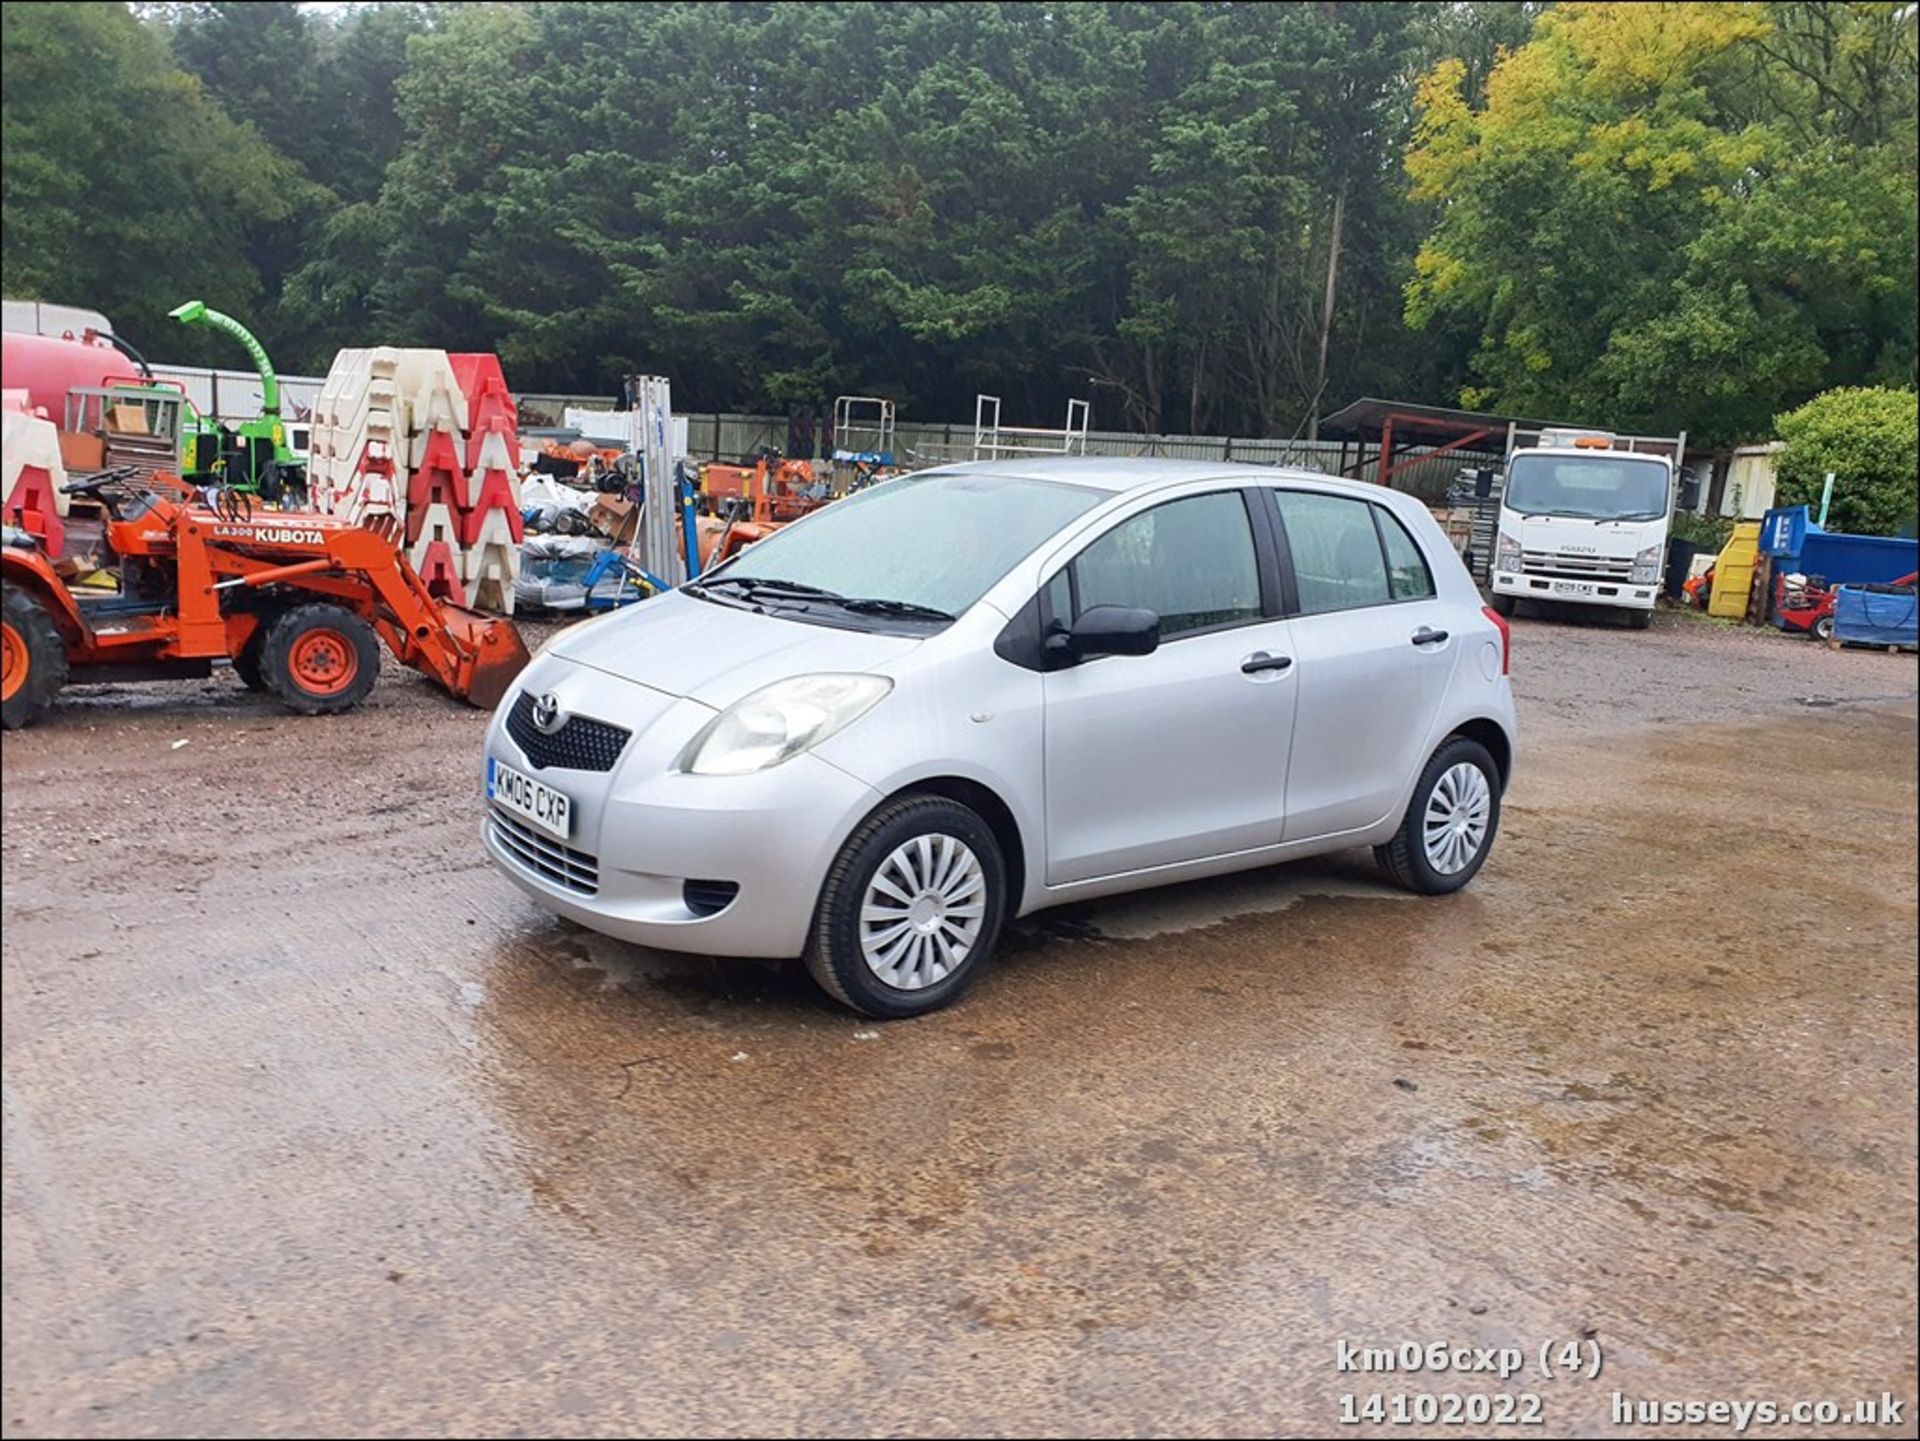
[
  {"x": 1572, "y": 587},
  {"x": 538, "y": 804}
]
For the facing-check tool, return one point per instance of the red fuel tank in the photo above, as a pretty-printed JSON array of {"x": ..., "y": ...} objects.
[{"x": 47, "y": 367}]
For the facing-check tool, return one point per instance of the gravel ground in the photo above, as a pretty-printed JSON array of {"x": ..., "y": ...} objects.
[{"x": 314, "y": 1124}]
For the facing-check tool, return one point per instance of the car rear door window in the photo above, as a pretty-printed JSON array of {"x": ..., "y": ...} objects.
[
  {"x": 1191, "y": 562},
  {"x": 1337, "y": 559},
  {"x": 1407, "y": 572}
]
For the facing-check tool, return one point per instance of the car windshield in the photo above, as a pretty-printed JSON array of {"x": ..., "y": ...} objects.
[
  {"x": 1591, "y": 486},
  {"x": 932, "y": 542}
]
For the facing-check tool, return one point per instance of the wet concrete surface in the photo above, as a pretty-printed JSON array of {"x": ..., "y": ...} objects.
[{"x": 315, "y": 1125}]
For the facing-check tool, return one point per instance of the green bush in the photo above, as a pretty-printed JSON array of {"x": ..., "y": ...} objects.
[
  {"x": 1870, "y": 440},
  {"x": 1709, "y": 532}
]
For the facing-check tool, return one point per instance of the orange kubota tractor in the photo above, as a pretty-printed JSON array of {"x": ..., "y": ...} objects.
[{"x": 299, "y": 603}]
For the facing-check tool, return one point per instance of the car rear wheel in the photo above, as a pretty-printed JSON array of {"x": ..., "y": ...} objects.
[
  {"x": 910, "y": 910},
  {"x": 1450, "y": 822},
  {"x": 320, "y": 659},
  {"x": 33, "y": 658}
]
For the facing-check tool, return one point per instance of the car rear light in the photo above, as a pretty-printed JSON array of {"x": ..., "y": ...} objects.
[{"x": 1506, "y": 637}]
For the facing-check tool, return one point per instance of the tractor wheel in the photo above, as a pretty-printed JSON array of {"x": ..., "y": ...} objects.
[
  {"x": 33, "y": 658},
  {"x": 320, "y": 659},
  {"x": 246, "y": 665}
]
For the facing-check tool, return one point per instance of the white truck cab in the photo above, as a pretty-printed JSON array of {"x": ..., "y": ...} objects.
[{"x": 1583, "y": 519}]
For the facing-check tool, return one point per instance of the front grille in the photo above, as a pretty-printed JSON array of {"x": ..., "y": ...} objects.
[
  {"x": 1575, "y": 566},
  {"x": 580, "y": 744},
  {"x": 561, "y": 865}
]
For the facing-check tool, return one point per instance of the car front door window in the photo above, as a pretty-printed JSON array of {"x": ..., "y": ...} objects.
[{"x": 1191, "y": 562}]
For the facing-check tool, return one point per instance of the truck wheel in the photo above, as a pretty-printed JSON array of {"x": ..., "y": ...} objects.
[
  {"x": 33, "y": 658},
  {"x": 320, "y": 659},
  {"x": 1504, "y": 605},
  {"x": 910, "y": 909},
  {"x": 1639, "y": 619}
]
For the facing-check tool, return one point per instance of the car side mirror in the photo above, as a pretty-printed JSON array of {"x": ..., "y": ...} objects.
[{"x": 1110, "y": 630}]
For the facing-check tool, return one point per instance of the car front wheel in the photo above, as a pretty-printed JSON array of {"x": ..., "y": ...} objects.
[
  {"x": 910, "y": 910},
  {"x": 1450, "y": 822}
]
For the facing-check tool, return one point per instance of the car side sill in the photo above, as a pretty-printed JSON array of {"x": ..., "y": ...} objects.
[{"x": 1150, "y": 876}]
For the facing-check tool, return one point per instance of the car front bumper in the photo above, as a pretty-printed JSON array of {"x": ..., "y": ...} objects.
[{"x": 642, "y": 831}]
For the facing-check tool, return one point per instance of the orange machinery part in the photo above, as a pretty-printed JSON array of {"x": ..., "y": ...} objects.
[{"x": 475, "y": 657}]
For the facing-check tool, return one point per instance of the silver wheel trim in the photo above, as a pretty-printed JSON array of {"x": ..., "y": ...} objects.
[
  {"x": 922, "y": 913},
  {"x": 1458, "y": 809}
]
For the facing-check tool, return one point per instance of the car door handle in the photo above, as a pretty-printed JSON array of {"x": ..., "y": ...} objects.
[
  {"x": 1261, "y": 661},
  {"x": 1428, "y": 636}
]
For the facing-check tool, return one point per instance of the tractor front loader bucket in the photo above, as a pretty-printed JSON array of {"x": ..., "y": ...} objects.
[{"x": 491, "y": 654}]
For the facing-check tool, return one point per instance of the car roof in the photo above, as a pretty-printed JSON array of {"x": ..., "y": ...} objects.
[{"x": 1119, "y": 474}]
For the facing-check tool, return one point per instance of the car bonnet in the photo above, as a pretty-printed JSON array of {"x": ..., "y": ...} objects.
[{"x": 716, "y": 653}]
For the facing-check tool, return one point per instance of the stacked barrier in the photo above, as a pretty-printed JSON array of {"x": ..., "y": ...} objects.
[{"x": 431, "y": 440}]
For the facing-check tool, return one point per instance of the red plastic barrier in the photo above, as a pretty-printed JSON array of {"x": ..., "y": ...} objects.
[
  {"x": 441, "y": 573},
  {"x": 32, "y": 506}
]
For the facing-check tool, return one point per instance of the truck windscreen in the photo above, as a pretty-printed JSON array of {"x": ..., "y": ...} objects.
[{"x": 1590, "y": 485}]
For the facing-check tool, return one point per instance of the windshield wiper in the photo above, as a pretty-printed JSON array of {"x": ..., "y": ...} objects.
[
  {"x": 753, "y": 587},
  {"x": 754, "y": 583},
  {"x": 868, "y": 605}
]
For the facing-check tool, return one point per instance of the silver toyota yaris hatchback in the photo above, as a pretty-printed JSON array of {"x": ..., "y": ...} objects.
[{"x": 974, "y": 692}]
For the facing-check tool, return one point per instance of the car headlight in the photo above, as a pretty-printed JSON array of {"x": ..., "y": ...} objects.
[
  {"x": 1646, "y": 566},
  {"x": 779, "y": 721},
  {"x": 1506, "y": 553}
]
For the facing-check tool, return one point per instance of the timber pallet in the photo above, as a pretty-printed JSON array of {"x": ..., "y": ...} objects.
[{"x": 1837, "y": 644}]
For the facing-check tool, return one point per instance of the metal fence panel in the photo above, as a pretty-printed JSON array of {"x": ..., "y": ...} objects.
[{"x": 729, "y": 436}]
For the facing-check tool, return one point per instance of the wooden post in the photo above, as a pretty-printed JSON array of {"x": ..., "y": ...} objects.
[{"x": 1760, "y": 596}]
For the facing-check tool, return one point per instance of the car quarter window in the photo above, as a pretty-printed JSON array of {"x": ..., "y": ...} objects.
[
  {"x": 1407, "y": 571},
  {"x": 1337, "y": 560},
  {"x": 1060, "y": 599},
  {"x": 1191, "y": 562}
]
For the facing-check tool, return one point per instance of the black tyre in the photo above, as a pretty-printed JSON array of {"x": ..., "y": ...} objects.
[
  {"x": 247, "y": 664},
  {"x": 320, "y": 659},
  {"x": 1639, "y": 619},
  {"x": 1450, "y": 823},
  {"x": 911, "y": 909},
  {"x": 1504, "y": 605},
  {"x": 1822, "y": 629},
  {"x": 34, "y": 664}
]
